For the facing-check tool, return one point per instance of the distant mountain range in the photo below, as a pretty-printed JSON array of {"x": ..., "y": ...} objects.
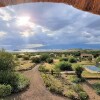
[
  {"x": 59, "y": 47},
  {"x": 71, "y": 46}
]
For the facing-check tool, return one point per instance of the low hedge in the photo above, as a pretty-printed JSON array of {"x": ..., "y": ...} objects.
[{"x": 5, "y": 90}]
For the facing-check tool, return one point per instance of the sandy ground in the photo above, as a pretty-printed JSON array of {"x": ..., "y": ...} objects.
[{"x": 36, "y": 91}]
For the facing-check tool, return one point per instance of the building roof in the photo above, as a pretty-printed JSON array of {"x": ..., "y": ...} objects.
[{"x": 86, "y": 54}]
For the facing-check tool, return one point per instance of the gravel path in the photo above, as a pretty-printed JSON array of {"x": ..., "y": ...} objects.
[{"x": 36, "y": 91}]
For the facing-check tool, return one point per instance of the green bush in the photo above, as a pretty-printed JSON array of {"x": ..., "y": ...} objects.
[
  {"x": 83, "y": 96},
  {"x": 17, "y": 81},
  {"x": 71, "y": 94},
  {"x": 75, "y": 79},
  {"x": 98, "y": 59},
  {"x": 5, "y": 90},
  {"x": 49, "y": 60},
  {"x": 64, "y": 59},
  {"x": 36, "y": 60},
  {"x": 44, "y": 57},
  {"x": 19, "y": 56},
  {"x": 26, "y": 57},
  {"x": 52, "y": 84},
  {"x": 43, "y": 69},
  {"x": 6, "y": 61},
  {"x": 96, "y": 86},
  {"x": 64, "y": 66},
  {"x": 72, "y": 60},
  {"x": 78, "y": 71},
  {"x": 77, "y": 88}
]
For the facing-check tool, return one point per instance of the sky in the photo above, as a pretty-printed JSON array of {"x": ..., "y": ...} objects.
[{"x": 35, "y": 25}]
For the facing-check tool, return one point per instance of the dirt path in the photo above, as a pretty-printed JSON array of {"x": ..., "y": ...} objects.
[
  {"x": 90, "y": 92},
  {"x": 36, "y": 91}
]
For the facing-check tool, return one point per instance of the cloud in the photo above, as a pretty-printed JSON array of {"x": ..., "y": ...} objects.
[
  {"x": 4, "y": 15},
  {"x": 2, "y": 34},
  {"x": 47, "y": 24}
]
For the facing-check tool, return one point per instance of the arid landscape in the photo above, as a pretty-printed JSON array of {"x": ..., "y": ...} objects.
[
  {"x": 55, "y": 75},
  {"x": 49, "y": 49}
]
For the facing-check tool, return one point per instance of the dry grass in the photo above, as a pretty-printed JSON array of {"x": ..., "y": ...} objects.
[
  {"x": 24, "y": 64},
  {"x": 88, "y": 74}
]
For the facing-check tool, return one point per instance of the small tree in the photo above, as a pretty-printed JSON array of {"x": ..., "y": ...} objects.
[
  {"x": 36, "y": 60},
  {"x": 98, "y": 59},
  {"x": 6, "y": 61},
  {"x": 44, "y": 57},
  {"x": 72, "y": 60},
  {"x": 78, "y": 71},
  {"x": 49, "y": 60},
  {"x": 64, "y": 66}
]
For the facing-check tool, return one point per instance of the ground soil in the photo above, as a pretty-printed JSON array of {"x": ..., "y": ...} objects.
[{"x": 90, "y": 91}]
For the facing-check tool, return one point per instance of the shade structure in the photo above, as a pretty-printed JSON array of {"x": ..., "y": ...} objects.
[{"x": 86, "y": 5}]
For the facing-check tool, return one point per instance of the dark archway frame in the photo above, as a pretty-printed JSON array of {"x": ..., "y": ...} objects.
[{"x": 92, "y": 6}]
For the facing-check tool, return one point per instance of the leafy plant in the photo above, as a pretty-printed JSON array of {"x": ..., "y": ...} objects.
[
  {"x": 6, "y": 61},
  {"x": 96, "y": 86},
  {"x": 5, "y": 90},
  {"x": 64, "y": 59},
  {"x": 36, "y": 60},
  {"x": 72, "y": 60},
  {"x": 49, "y": 60},
  {"x": 78, "y": 71},
  {"x": 44, "y": 57},
  {"x": 17, "y": 81},
  {"x": 64, "y": 66},
  {"x": 83, "y": 96}
]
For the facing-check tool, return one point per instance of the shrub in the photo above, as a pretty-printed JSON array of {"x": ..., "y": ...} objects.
[
  {"x": 5, "y": 90},
  {"x": 49, "y": 60},
  {"x": 98, "y": 59},
  {"x": 78, "y": 71},
  {"x": 64, "y": 66},
  {"x": 96, "y": 86},
  {"x": 43, "y": 69},
  {"x": 64, "y": 59},
  {"x": 75, "y": 79},
  {"x": 26, "y": 57},
  {"x": 6, "y": 61},
  {"x": 72, "y": 60},
  {"x": 36, "y": 60},
  {"x": 19, "y": 56},
  {"x": 71, "y": 94},
  {"x": 17, "y": 81},
  {"x": 78, "y": 88},
  {"x": 83, "y": 96},
  {"x": 44, "y": 57},
  {"x": 52, "y": 84}
]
